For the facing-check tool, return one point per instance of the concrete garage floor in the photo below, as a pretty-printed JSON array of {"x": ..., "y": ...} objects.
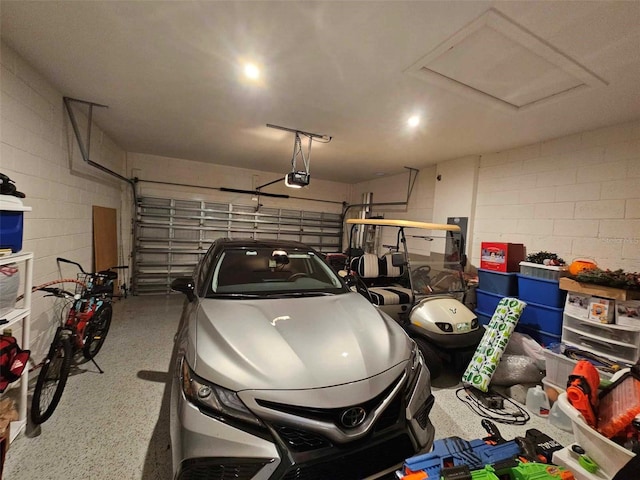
[{"x": 115, "y": 426}]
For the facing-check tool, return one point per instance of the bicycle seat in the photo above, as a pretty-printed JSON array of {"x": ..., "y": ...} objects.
[{"x": 108, "y": 274}]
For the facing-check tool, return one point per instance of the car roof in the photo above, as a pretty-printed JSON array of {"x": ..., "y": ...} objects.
[
  {"x": 253, "y": 243},
  {"x": 403, "y": 223}
]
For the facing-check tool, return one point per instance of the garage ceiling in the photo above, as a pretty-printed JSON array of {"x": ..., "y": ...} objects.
[{"x": 483, "y": 76}]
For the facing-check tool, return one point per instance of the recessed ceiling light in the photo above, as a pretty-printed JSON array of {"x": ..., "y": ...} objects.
[
  {"x": 414, "y": 121},
  {"x": 251, "y": 71}
]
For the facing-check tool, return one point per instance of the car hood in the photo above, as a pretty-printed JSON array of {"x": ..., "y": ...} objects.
[{"x": 294, "y": 343}]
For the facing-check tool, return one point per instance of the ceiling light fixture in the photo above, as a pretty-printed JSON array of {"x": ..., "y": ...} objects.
[
  {"x": 251, "y": 71},
  {"x": 414, "y": 121},
  {"x": 300, "y": 178}
]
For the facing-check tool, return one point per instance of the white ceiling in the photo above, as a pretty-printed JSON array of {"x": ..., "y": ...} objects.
[{"x": 170, "y": 74}]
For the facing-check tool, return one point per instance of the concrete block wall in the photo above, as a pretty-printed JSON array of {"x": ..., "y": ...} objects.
[
  {"x": 578, "y": 196},
  {"x": 40, "y": 154},
  {"x": 394, "y": 189}
]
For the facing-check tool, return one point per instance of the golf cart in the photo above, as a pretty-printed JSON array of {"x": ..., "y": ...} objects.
[{"x": 423, "y": 291}]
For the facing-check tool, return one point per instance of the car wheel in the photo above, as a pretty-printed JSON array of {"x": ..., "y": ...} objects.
[{"x": 431, "y": 357}]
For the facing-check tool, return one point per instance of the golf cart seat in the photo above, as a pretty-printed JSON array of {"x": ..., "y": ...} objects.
[{"x": 382, "y": 278}]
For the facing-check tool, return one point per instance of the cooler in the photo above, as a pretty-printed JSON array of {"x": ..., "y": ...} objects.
[{"x": 11, "y": 222}]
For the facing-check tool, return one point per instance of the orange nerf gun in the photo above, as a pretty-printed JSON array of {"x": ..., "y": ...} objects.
[{"x": 582, "y": 390}]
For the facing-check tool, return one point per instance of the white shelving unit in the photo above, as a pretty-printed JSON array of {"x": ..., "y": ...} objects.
[{"x": 20, "y": 316}]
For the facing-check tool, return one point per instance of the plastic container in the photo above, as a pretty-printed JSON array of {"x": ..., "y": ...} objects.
[
  {"x": 537, "y": 401},
  {"x": 541, "y": 317},
  {"x": 546, "y": 272},
  {"x": 541, "y": 291},
  {"x": 552, "y": 390},
  {"x": 483, "y": 318},
  {"x": 559, "y": 419},
  {"x": 505, "y": 284},
  {"x": 569, "y": 460},
  {"x": 487, "y": 301},
  {"x": 559, "y": 367},
  {"x": 9, "y": 285},
  {"x": 540, "y": 336},
  {"x": 11, "y": 222},
  {"x": 610, "y": 456}
]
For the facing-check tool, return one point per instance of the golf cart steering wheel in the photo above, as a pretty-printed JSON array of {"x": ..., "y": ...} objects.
[
  {"x": 421, "y": 278},
  {"x": 295, "y": 276}
]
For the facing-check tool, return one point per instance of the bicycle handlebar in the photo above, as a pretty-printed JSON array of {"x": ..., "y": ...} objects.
[
  {"x": 57, "y": 292},
  {"x": 64, "y": 260}
]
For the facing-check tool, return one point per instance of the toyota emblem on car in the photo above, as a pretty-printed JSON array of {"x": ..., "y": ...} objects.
[{"x": 353, "y": 417}]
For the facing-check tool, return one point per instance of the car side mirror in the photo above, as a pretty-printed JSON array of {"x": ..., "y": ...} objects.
[
  {"x": 350, "y": 280},
  {"x": 398, "y": 260},
  {"x": 184, "y": 285}
]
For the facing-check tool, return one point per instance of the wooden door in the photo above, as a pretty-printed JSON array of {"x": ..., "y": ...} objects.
[{"x": 105, "y": 238}]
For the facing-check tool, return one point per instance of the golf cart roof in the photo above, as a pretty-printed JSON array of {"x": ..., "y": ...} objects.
[{"x": 403, "y": 223}]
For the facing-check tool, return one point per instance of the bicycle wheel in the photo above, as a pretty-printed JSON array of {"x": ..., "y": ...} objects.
[
  {"x": 51, "y": 380},
  {"x": 96, "y": 331}
]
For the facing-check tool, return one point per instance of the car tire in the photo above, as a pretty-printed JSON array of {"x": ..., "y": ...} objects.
[{"x": 431, "y": 357}]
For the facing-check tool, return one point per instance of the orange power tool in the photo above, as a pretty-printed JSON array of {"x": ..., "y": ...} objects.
[{"x": 582, "y": 390}]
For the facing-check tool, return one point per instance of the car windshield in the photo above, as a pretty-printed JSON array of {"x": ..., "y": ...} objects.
[{"x": 272, "y": 271}]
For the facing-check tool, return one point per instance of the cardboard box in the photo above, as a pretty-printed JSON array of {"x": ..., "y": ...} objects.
[
  {"x": 628, "y": 313},
  {"x": 601, "y": 310},
  {"x": 598, "y": 290},
  {"x": 501, "y": 257},
  {"x": 577, "y": 305}
]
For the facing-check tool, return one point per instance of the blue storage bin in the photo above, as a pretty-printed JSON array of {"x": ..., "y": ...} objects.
[
  {"x": 11, "y": 222},
  {"x": 483, "y": 318},
  {"x": 487, "y": 301},
  {"x": 542, "y": 318},
  {"x": 541, "y": 291},
  {"x": 542, "y": 337},
  {"x": 505, "y": 284}
]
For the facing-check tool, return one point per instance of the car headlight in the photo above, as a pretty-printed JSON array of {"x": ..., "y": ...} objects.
[
  {"x": 214, "y": 398},
  {"x": 413, "y": 367},
  {"x": 445, "y": 327}
]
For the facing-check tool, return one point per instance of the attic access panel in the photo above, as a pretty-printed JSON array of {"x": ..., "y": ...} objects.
[{"x": 495, "y": 60}]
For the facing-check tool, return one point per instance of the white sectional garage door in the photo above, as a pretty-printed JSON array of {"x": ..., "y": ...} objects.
[{"x": 172, "y": 235}]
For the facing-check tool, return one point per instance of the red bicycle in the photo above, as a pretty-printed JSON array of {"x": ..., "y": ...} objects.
[{"x": 83, "y": 329}]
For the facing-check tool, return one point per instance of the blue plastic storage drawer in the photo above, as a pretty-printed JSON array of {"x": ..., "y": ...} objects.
[
  {"x": 487, "y": 301},
  {"x": 505, "y": 284},
  {"x": 541, "y": 291},
  {"x": 542, "y": 317}
]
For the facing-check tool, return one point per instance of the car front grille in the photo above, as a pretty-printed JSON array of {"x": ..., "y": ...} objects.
[
  {"x": 422, "y": 415},
  {"x": 390, "y": 415},
  {"x": 331, "y": 415},
  {"x": 356, "y": 465},
  {"x": 301, "y": 440},
  {"x": 215, "y": 468}
]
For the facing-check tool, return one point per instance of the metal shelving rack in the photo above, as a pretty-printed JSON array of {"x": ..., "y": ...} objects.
[{"x": 172, "y": 235}]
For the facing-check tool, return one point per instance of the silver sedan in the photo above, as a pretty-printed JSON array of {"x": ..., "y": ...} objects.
[{"x": 282, "y": 372}]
